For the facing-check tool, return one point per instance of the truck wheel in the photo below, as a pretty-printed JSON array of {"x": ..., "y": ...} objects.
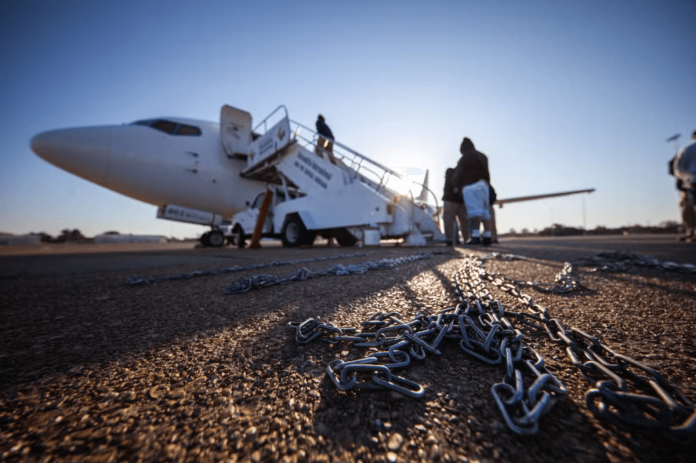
[
  {"x": 294, "y": 232},
  {"x": 238, "y": 236},
  {"x": 344, "y": 237},
  {"x": 216, "y": 239}
]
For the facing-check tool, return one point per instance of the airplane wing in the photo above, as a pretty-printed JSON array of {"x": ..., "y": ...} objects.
[{"x": 501, "y": 202}]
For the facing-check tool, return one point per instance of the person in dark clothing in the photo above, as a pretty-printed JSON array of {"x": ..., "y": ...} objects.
[
  {"x": 472, "y": 166},
  {"x": 326, "y": 137},
  {"x": 453, "y": 209},
  {"x": 471, "y": 169},
  {"x": 323, "y": 129}
]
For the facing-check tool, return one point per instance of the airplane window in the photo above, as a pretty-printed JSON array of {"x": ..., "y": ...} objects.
[
  {"x": 188, "y": 130},
  {"x": 164, "y": 126}
]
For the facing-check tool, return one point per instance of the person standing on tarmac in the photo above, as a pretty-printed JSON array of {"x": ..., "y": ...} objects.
[
  {"x": 453, "y": 209},
  {"x": 684, "y": 168},
  {"x": 472, "y": 175}
]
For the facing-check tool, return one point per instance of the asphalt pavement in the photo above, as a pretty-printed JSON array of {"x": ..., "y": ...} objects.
[{"x": 93, "y": 369}]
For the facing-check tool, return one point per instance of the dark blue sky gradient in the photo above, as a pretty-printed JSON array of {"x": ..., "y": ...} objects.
[{"x": 560, "y": 94}]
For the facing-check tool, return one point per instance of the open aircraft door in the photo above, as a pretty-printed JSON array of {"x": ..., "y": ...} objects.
[{"x": 235, "y": 131}]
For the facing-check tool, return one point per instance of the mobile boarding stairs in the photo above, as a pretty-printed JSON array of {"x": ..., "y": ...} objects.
[{"x": 342, "y": 193}]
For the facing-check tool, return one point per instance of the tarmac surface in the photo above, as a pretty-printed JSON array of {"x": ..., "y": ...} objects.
[{"x": 92, "y": 369}]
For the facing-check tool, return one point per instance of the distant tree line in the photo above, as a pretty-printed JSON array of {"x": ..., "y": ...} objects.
[
  {"x": 66, "y": 236},
  {"x": 668, "y": 226}
]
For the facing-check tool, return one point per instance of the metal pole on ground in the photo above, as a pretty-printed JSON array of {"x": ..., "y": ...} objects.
[{"x": 258, "y": 229}]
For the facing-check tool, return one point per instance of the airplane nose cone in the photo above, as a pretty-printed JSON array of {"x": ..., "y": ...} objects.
[
  {"x": 46, "y": 145},
  {"x": 83, "y": 152}
]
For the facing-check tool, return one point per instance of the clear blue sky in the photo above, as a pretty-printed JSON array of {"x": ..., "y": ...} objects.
[{"x": 560, "y": 95}]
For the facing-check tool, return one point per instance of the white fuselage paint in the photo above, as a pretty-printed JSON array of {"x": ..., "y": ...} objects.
[{"x": 152, "y": 166}]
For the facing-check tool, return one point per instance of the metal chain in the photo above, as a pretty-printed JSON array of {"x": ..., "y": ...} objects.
[
  {"x": 140, "y": 280},
  {"x": 521, "y": 400},
  {"x": 263, "y": 281},
  {"x": 613, "y": 261},
  {"x": 566, "y": 280},
  {"x": 621, "y": 261},
  {"x": 480, "y": 326},
  {"x": 625, "y": 391}
]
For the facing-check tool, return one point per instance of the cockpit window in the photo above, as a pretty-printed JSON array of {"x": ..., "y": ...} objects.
[
  {"x": 188, "y": 130},
  {"x": 170, "y": 127},
  {"x": 164, "y": 126}
]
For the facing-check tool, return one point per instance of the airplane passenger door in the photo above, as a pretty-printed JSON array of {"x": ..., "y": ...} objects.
[{"x": 235, "y": 131}]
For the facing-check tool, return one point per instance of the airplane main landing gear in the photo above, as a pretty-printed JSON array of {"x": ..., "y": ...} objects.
[
  {"x": 237, "y": 238},
  {"x": 216, "y": 238},
  {"x": 213, "y": 238}
]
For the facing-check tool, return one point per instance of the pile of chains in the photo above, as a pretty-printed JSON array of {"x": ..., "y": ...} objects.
[
  {"x": 624, "y": 391},
  {"x": 246, "y": 284},
  {"x": 480, "y": 327},
  {"x": 140, "y": 280}
]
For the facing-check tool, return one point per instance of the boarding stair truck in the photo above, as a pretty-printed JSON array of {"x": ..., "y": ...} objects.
[{"x": 335, "y": 192}]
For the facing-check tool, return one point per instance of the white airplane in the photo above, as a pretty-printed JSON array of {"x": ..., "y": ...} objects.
[
  {"x": 164, "y": 161},
  {"x": 190, "y": 169}
]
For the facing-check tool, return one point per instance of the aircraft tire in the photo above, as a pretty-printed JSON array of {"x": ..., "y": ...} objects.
[
  {"x": 344, "y": 237},
  {"x": 238, "y": 236},
  {"x": 294, "y": 232},
  {"x": 204, "y": 239},
  {"x": 216, "y": 239}
]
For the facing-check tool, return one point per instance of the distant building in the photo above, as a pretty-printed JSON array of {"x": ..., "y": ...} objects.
[{"x": 9, "y": 239}]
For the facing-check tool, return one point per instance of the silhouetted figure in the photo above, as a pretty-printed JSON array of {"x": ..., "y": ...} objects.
[
  {"x": 472, "y": 176},
  {"x": 454, "y": 211},
  {"x": 684, "y": 168},
  {"x": 326, "y": 137}
]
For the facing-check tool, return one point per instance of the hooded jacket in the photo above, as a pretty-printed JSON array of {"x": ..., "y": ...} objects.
[
  {"x": 472, "y": 166},
  {"x": 323, "y": 129}
]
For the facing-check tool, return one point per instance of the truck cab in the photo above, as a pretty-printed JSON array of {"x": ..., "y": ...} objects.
[{"x": 241, "y": 227}]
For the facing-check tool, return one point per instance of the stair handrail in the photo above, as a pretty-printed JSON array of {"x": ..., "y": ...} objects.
[
  {"x": 357, "y": 165},
  {"x": 263, "y": 122}
]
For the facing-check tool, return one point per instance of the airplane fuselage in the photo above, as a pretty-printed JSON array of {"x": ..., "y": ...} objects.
[{"x": 159, "y": 161}]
